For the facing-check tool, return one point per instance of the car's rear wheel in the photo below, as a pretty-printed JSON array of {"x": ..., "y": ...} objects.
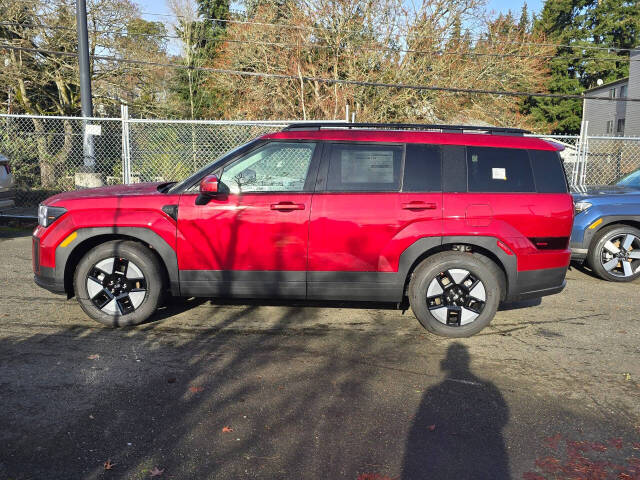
[
  {"x": 615, "y": 253},
  {"x": 455, "y": 294},
  {"x": 119, "y": 283}
]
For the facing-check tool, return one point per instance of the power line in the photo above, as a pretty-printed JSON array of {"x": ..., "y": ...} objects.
[
  {"x": 337, "y": 47},
  {"x": 359, "y": 32},
  {"x": 330, "y": 81}
]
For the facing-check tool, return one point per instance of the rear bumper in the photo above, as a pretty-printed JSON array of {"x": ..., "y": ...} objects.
[{"x": 537, "y": 283}]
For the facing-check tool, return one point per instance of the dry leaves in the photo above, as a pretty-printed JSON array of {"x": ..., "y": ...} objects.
[
  {"x": 196, "y": 389},
  {"x": 227, "y": 429},
  {"x": 156, "y": 472},
  {"x": 95, "y": 356},
  {"x": 108, "y": 465},
  {"x": 431, "y": 428}
]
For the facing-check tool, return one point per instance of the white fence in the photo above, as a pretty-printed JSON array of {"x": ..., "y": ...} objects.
[{"x": 47, "y": 153}]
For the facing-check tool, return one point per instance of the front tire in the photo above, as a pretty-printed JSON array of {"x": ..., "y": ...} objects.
[
  {"x": 615, "y": 253},
  {"x": 455, "y": 294},
  {"x": 119, "y": 283}
]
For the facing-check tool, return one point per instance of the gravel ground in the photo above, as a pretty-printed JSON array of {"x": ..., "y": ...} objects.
[{"x": 226, "y": 390}]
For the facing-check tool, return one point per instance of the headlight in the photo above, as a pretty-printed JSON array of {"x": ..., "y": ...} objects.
[
  {"x": 581, "y": 207},
  {"x": 48, "y": 215}
]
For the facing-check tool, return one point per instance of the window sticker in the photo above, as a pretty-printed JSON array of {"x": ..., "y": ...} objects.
[
  {"x": 367, "y": 166},
  {"x": 499, "y": 173}
]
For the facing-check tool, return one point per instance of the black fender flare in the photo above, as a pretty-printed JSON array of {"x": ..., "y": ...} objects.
[{"x": 146, "y": 235}]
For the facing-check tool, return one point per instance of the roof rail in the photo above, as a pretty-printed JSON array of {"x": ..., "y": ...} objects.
[{"x": 408, "y": 126}]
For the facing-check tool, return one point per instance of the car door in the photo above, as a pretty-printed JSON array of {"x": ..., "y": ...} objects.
[
  {"x": 250, "y": 239},
  {"x": 362, "y": 218}
]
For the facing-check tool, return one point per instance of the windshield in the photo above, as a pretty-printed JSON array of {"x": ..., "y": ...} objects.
[
  {"x": 200, "y": 173},
  {"x": 631, "y": 180}
]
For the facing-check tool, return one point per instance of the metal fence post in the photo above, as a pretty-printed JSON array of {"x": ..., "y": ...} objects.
[{"x": 126, "y": 152}]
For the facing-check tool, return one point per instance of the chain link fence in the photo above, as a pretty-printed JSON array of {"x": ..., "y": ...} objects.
[{"x": 47, "y": 154}]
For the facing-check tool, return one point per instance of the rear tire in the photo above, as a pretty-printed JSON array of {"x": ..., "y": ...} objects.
[
  {"x": 119, "y": 283},
  {"x": 455, "y": 294},
  {"x": 614, "y": 254}
]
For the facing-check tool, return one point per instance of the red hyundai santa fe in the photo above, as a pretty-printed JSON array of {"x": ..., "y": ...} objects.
[{"x": 453, "y": 219}]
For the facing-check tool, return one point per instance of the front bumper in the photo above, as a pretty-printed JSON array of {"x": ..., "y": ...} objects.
[{"x": 45, "y": 277}]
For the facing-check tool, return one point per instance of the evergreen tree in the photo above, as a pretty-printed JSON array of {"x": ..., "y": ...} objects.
[{"x": 606, "y": 23}]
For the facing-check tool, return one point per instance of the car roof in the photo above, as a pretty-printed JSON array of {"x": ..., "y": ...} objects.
[{"x": 416, "y": 136}]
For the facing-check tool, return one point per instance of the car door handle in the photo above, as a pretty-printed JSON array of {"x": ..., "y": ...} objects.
[
  {"x": 416, "y": 205},
  {"x": 286, "y": 206}
]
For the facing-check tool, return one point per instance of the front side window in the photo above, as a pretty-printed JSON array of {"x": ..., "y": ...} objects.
[
  {"x": 499, "y": 170},
  {"x": 275, "y": 167},
  {"x": 365, "y": 168}
]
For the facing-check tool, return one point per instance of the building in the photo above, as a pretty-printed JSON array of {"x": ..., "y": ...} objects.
[{"x": 616, "y": 118}]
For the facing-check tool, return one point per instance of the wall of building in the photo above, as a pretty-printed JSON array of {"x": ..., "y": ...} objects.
[
  {"x": 632, "y": 128},
  {"x": 598, "y": 112}
]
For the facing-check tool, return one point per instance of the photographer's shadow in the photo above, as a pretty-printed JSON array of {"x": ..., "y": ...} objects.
[{"x": 457, "y": 432}]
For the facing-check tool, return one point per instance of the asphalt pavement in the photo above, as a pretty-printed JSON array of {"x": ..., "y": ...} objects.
[{"x": 226, "y": 390}]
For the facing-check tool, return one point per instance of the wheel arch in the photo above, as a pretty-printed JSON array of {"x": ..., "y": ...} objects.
[
  {"x": 88, "y": 238},
  {"x": 487, "y": 246}
]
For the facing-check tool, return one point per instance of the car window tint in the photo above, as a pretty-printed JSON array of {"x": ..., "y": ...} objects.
[
  {"x": 364, "y": 168},
  {"x": 499, "y": 170},
  {"x": 454, "y": 168},
  {"x": 275, "y": 167},
  {"x": 422, "y": 168},
  {"x": 548, "y": 171}
]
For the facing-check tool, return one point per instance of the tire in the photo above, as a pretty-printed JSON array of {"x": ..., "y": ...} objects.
[
  {"x": 616, "y": 242},
  {"x": 458, "y": 282},
  {"x": 119, "y": 283}
]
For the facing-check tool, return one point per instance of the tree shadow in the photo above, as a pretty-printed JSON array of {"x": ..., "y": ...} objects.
[{"x": 457, "y": 431}]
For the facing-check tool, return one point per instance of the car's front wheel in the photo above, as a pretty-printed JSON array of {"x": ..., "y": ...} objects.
[
  {"x": 615, "y": 253},
  {"x": 119, "y": 283},
  {"x": 455, "y": 294}
]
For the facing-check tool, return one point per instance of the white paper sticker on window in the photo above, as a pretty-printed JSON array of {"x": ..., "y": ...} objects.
[
  {"x": 499, "y": 173},
  {"x": 367, "y": 166}
]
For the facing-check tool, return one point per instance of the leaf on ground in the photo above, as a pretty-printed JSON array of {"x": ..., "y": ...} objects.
[
  {"x": 95, "y": 356},
  {"x": 156, "y": 472},
  {"x": 171, "y": 380},
  {"x": 636, "y": 445},
  {"x": 431, "y": 428},
  {"x": 227, "y": 429},
  {"x": 196, "y": 389},
  {"x": 532, "y": 476},
  {"x": 552, "y": 442},
  {"x": 616, "y": 442},
  {"x": 373, "y": 476},
  {"x": 108, "y": 465}
]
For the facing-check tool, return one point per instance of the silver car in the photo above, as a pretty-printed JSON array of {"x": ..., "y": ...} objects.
[{"x": 6, "y": 183}]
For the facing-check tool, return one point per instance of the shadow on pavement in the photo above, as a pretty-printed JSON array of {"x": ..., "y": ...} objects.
[{"x": 457, "y": 432}]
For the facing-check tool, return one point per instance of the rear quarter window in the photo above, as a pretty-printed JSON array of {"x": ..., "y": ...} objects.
[
  {"x": 493, "y": 169},
  {"x": 548, "y": 171}
]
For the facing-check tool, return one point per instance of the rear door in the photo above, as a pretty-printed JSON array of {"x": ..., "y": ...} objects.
[{"x": 362, "y": 218}]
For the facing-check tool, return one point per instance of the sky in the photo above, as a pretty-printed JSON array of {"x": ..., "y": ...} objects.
[{"x": 160, "y": 6}]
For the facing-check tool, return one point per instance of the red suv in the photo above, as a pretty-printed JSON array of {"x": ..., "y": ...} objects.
[{"x": 454, "y": 219}]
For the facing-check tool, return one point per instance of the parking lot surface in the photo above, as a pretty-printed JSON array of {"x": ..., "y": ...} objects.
[{"x": 213, "y": 389}]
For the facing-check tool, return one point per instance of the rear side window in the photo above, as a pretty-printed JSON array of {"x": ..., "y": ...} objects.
[
  {"x": 548, "y": 171},
  {"x": 499, "y": 170},
  {"x": 422, "y": 168},
  {"x": 364, "y": 168}
]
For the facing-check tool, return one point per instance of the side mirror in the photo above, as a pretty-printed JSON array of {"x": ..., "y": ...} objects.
[{"x": 209, "y": 185}]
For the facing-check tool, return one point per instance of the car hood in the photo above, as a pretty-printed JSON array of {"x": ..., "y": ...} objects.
[
  {"x": 110, "y": 191},
  {"x": 595, "y": 191}
]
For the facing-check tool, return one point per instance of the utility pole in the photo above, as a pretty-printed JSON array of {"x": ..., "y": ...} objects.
[{"x": 85, "y": 82}]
